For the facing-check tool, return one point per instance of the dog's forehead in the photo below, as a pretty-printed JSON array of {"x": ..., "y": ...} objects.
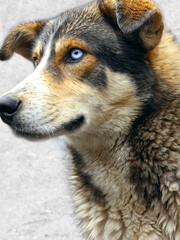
[{"x": 85, "y": 23}]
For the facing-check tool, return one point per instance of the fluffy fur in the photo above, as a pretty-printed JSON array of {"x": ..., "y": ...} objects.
[{"x": 118, "y": 107}]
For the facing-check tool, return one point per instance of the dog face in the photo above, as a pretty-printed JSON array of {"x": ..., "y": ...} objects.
[{"x": 90, "y": 71}]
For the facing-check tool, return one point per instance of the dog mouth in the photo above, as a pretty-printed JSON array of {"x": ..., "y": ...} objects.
[{"x": 41, "y": 132}]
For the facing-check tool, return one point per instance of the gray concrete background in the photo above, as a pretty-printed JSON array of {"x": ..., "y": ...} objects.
[{"x": 35, "y": 195}]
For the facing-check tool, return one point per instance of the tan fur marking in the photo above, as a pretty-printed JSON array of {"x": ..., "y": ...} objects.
[
  {"x": 165, "y": 60},
  {"x": 19, "y": 37},
  {"x": 109, "y": 8},
  {"x": 77, "y": 70},
  {"x": 135, "y": 10},
  {"x": 37, "y": 51},
  {"x": 64, "y": 45},
  {"x": 85, "y": 67}
]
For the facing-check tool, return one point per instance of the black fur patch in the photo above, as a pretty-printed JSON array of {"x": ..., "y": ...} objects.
[
  {"x": 145, "y": 171},
  {"x": 146, "y": 181},
  {"x": 74, "y": 124},
  {"x": 96, "y": 79}
]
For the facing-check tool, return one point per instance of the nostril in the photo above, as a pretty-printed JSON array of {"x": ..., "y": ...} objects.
[{"x": 8, "y": 107}]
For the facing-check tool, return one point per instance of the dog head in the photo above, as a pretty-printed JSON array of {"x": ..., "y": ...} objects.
[{"x": 90, "y": 70}]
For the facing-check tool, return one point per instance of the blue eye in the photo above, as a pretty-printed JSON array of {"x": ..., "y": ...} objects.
[{"x": 76, "y": 54}]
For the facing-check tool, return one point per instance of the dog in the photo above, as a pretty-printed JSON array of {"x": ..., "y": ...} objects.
[{"x": 107, "y": 78}]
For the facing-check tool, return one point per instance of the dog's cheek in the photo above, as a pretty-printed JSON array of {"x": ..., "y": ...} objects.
[
  {"x": 89, "y": 71},
  {"x": 71, "y": 98}
]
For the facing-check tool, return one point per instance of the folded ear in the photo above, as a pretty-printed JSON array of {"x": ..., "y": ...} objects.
[
  {"x": 21, "y": 40},
  {"x": 140, "y": 21}
]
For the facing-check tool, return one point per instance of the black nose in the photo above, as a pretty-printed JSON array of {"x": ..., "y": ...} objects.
[{"x": 8, "y": 108}]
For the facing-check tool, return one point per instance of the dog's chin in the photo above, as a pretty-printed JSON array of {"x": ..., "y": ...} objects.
[{"x": 32, "y": 133}]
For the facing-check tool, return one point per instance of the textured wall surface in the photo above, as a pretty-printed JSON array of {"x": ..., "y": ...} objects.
[{"x": 35, "y": 195}]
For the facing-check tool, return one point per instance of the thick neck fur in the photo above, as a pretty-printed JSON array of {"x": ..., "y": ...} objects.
[
  {"x": 103, "y": 159},
  {"x": 138, "y": 159},
  {"x": 139, "y": 169}
]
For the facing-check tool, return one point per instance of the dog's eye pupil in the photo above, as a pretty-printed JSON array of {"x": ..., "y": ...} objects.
[{"x": 76, "y": 54}]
